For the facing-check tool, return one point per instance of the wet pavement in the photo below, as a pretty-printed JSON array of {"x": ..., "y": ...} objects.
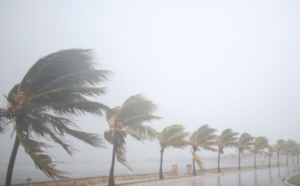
[{"x": 260, "y": 177}]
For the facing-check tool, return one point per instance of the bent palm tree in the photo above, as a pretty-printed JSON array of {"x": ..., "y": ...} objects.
[
  {"x": 271, "y": 150},
  {"x": 226, "y": 139},
  {"x": 201, "y": 138},
  {"x": 128, "y": 120},
  {"x": 259, "y": 144},
  {"x": 290, "y": 147},
  {"x": 297, "y": 152},
  {"x": 53, "y": 89},
  {"x": 170, "y": 136},
  {"x": 278, "y": 148},
  {"x": 244, "y": 143}
]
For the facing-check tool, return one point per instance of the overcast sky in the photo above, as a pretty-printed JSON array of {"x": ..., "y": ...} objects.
[{"x": 230, "y": 64}]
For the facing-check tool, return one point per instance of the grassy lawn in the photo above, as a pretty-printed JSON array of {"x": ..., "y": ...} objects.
[{"x": 294, "y": 180}]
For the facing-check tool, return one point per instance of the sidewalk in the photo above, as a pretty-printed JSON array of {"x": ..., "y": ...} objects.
[{"x": 207, "y": 173}]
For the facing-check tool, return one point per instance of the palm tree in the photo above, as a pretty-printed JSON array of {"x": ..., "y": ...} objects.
[
  {"x": 170, "y": 136},
  {"x": 226, "y": 139},
  {"x": 128, "y": 119},
  {"x": 297, "y": 152},
  {"x": 245, "y": 142},
  {"x": 54, "y": 89},
  {"x": 290, "y": 147},
  {"x": 259, "y": 144},
  {"x": 271, "y": 150},
  {"x": 278, "y": 148},
  {"x": 201, "y": 138}
]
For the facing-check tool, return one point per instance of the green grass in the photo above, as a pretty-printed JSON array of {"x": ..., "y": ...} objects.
[{"x": 294, "y": 180}]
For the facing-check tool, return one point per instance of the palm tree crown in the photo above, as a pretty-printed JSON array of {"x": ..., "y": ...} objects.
[
  {"x": 201, "y": 138},
  {"x": 53, "y": 89},
  {"x": 128, "y": 119}
]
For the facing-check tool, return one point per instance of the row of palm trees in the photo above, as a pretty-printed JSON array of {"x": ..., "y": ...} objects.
[
  {"x": 56, "y": 88},
  {"x": 204, "y": 138}
]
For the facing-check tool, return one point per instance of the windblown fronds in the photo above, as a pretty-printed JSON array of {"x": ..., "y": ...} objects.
[{"x": 55, "y": 88}]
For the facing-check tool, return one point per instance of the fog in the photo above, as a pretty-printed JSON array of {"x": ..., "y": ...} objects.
[{"x": 229, "y": 64}]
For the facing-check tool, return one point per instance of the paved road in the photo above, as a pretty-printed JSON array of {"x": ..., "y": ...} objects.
[{"x": 263, "y": 177}]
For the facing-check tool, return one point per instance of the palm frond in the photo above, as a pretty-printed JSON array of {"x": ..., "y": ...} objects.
[
  {"x": 74, "y": 78},
  {"x": 78, "y": 108},
  {"x": 228, "y": 137},
  {"x": 66, "y": 94},
  {"x": 139, "y": 119},
  {"x": 108, "y": 136},
  {"x": 61, "y": 124},
  {"x": 120, "y": 152},
  {"x": 133, "y": 134},
  {"x": 110, "y": 114},
  {"x": 40, "y": 158},
  {"x": 197, "y": 159},
  {"x": 208, "y": 147},
  {"x": 56, "y": 65},
  {"x": 3, "y": 120},
  {"x": 135, "y": 105},
  {"x": 260, "y": 143},
  {"x": 171, "y": 130},
  {"x": 118, "y": 140},
  {"x": 245, "y": 138},
  {"x": 177, "y": 140},
  {"x": 141, "y": 132},
  {"x": 89, "y": 138},
  {"x": 58, "y": 123},
  {"x": 203, "y": 133}
]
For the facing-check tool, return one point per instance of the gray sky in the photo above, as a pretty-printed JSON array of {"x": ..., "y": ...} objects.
[{"x": 230, "y": 64}]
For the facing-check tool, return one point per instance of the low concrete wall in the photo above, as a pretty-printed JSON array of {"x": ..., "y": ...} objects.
[
  {"x": 228, "y": 169},
  {"x": 101, "y": 179}
]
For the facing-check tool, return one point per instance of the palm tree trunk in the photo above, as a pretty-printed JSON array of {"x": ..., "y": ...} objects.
[
  {"x": 293, "y": 160},
  {"x": 194, "y": 170},
  {"x": 278, "y": 159},
  {"x": 287, "y": 160},
  {"x": 161, "y": 176},
  {"x": 12, "y": 162},
  {"x": 239, "y": 160},
  {"x": 269, "y": 160},
  {"x": 219, "y": 170},
  {"x": 111, "y": 180},
  {"x": 255, "y": 160}
]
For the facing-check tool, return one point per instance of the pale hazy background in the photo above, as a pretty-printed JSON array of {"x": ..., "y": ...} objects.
[{"x": 230, "y": 64}]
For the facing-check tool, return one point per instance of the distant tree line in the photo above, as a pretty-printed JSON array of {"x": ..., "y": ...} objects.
[{"x": 57, "y": 87}]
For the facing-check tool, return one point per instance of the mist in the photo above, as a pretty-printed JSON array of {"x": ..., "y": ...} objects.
[{"x": 229, "y": 64}]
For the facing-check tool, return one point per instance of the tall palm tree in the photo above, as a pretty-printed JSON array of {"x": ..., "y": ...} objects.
[
  {"x": 297, "y": 152},
  {"x": 278, "y": 148},
  {"x": 54, "y": 89},
  {"x": 290, "y": 148},
  {"x": 271, "y": 150},
  {"x": 226, "y": 139},
  {"x": 128, "y": 119},
  {"x": 201, "y": 138},
  {"x": 170, "y": 136},
  {"x": 245, "y": 142},
  {"x": 259, "y": 144}
]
